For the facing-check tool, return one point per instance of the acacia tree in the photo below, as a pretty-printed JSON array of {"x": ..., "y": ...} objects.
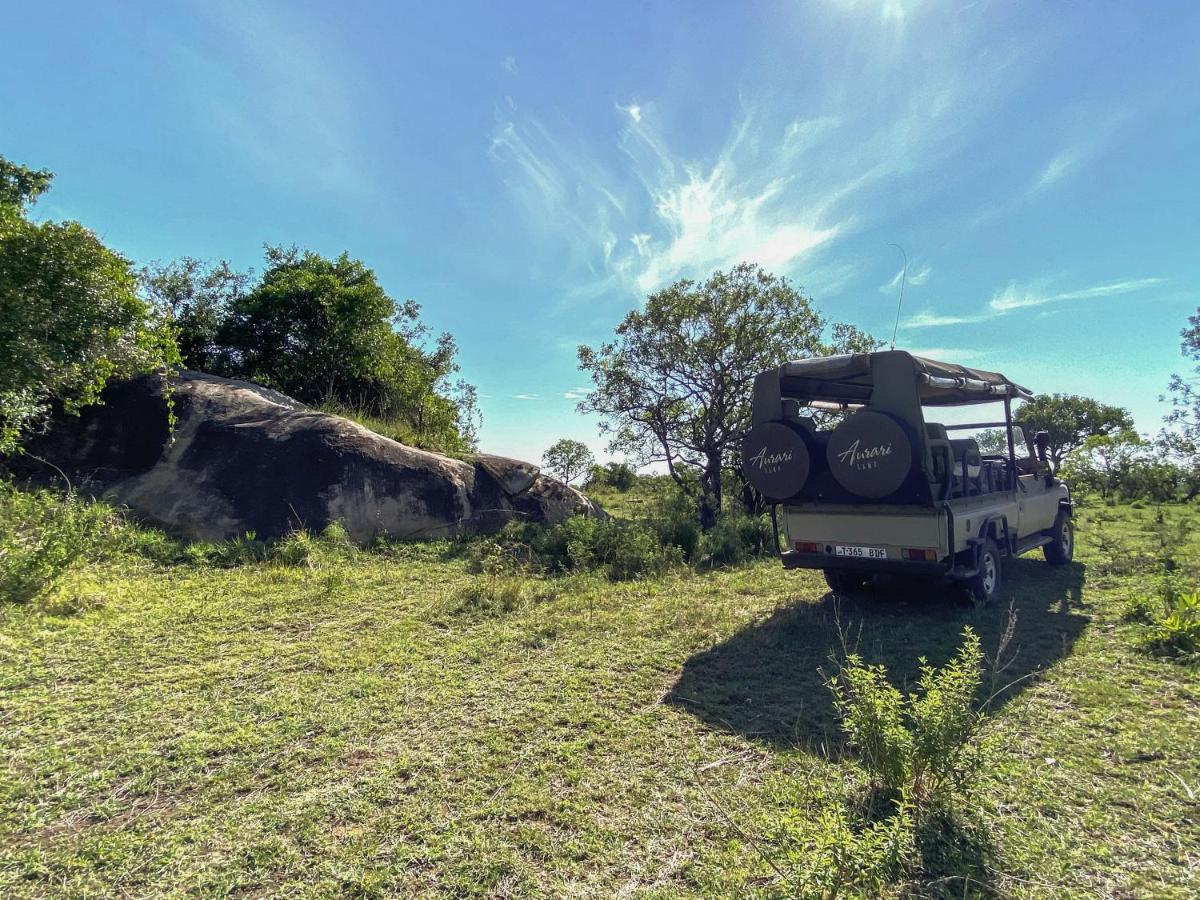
[
  {"x": 675, "y": 385},
  {"x": 1070, "y": 419},
  {"x": 567, "y": 459}
]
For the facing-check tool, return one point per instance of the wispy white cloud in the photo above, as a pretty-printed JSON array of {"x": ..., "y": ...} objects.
[
  {"x": 950, "y": 354},
  {"x": 1015, "y": 297},
  {"x": 298, "y": 123},
  {"x": 779, "y": 189},
  {"x": 579, "y": 393},
  {"x": 526, "y": 397},
  {"x": 887, "y": 11},
  {"x": 633, "y": 110},
  {"x": 916, "y": 278},
  {"x": 510, "y": 65},
  {"x": 930, "y": 319},
  {"x": 1063, "y": 164}
]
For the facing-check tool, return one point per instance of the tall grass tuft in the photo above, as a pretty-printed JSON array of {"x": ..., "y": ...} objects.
[{"x": 42, "y": 535}]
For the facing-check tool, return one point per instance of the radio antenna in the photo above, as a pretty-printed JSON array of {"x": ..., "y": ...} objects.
[{"x": 900, "y": 302}]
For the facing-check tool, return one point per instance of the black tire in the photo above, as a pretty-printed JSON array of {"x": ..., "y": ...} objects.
[
  {"x": 845, "y": 582},
  {"x": 984, "y": 586},
  {"x": 1061, "y": 549}
]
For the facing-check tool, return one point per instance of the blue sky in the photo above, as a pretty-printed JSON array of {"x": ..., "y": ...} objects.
[{"x": 527, "y": 172}]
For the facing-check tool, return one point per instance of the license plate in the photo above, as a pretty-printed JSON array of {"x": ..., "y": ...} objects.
[{"x": 862, "y": 552}]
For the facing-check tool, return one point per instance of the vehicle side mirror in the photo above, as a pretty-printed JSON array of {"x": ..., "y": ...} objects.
[{"x": 1041, "y": 440}]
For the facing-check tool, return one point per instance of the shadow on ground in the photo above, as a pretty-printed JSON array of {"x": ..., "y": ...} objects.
[{"x": 766, "y": 682}]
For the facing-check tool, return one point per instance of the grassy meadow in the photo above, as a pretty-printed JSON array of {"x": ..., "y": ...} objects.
[{"x": 340, "y": 722}]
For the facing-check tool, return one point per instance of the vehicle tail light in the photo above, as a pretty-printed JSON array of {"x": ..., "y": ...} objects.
[
  {"x": 922, "y": 554},
  {"x": 807, "y": 547}
]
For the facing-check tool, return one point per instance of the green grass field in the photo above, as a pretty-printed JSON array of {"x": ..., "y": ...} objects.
[{"x": 363, "y": 725}]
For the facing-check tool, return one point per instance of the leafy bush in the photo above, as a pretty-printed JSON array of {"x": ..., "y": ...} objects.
[
  {"x": 923, "y": 749},
  {"x": 680, "y": 530},
  {"x": 830, "y": 852},
  {"x": 42, "y": 534},
  {"x": 324, "y": 331},
  {"x": 492, "y": 593},
  {"x": 735, "y": 539},
  {"x": 1117, "y": 556},
  {"x": 616, "y": 475},
  {"x": 1173, "y": 616},
  {"x": 70, "y": 314},
  {"x": 1178, "y": 631},
  {"x": 1140, "y": 608},
  {"x": 622, "y": 551},
  {"x": 306, "y": 550}
]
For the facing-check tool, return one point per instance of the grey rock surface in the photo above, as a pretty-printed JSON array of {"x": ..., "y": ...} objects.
[{"x": 246, "y": 459}]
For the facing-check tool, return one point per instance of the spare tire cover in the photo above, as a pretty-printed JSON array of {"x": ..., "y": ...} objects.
[
  {"x": 870, "y": 454},
  {"x": 775, "y": 460}
]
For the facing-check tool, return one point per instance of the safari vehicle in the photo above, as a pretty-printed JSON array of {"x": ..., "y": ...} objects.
[{"x": 870, "y": 481}]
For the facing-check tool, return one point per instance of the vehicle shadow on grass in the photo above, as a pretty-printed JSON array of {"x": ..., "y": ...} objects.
[{"x": 767, "y": 681}]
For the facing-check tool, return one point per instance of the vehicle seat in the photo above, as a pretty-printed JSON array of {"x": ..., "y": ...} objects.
[
  {"x": 968, "y": 468},
  {"x": 936, "y": 436},
  {"x": 792, "y": 413}
]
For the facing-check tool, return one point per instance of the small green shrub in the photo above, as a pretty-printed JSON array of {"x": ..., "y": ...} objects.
[
  {"x": 306, "y": 550},
  {"x": 1140, "y": 608},
  {"x": 616, "y": 475},
  {"x": 1172, "y": 614},
  {"x": 621, "y": 550},
  {"x": 830, "y": 852},
  {"x": 1176, "y": 629},
  {"x": 735, "y": 539},
  {"x": 43, "y": 534},
  {"x": 1117, "y": 556},
  {"x": 673, "y": 517},
  {"x": 923, "y": 749},
  {"x": 1179, "y": 630},
  {"x": 492, "y": 593}
]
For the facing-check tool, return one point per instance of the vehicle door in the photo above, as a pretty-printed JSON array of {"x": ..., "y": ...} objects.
[{"x": 1037, "y": 493}]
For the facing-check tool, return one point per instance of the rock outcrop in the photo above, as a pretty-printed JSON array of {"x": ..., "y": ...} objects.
[{"x": 246, "y": 459}]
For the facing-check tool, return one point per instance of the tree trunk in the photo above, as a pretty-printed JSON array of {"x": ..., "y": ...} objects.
[{"x": 710, "y": 492}]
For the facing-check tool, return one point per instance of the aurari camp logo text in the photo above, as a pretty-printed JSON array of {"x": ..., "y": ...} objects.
[
  {"x": 770, "y": 462},
  {"x": 866, "y": 458}
]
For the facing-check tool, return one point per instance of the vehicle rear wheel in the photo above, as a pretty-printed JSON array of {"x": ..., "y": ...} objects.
[
  {"x": 845, "y": 582},
  {"x": 1061, "y": 549},
  {"x": 984, "y": 586}
]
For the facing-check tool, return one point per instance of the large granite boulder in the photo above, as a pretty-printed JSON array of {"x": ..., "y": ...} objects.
[{"x": 243, "y": 458}]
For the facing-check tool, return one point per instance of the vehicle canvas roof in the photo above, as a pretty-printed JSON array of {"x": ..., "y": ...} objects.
[{"x": 848, "y": 378}]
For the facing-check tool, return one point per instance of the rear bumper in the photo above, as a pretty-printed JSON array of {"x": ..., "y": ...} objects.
[{"x": 793, "y": 559}]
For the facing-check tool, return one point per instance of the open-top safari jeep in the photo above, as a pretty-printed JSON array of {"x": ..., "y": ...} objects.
[{"x": 870, "y": 482}]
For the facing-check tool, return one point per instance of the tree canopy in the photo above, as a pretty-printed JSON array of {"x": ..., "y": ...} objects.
[
  {"x": 197, "y": 297},
  {"x": 1070, "y": 419},
  {"x": 1181, "y": 438},
  {"x": 674, "y": 386},
  {"x": 568, "y": 459},
  {"x": 70, "y": 313},
  {"x": 325, "y": 332}
]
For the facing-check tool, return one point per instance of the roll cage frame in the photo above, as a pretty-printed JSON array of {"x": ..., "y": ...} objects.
[{"x": 896, "y": 382}]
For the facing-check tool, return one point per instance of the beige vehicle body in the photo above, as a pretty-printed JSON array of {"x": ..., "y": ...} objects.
[{"x": 866, "y": 478}]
